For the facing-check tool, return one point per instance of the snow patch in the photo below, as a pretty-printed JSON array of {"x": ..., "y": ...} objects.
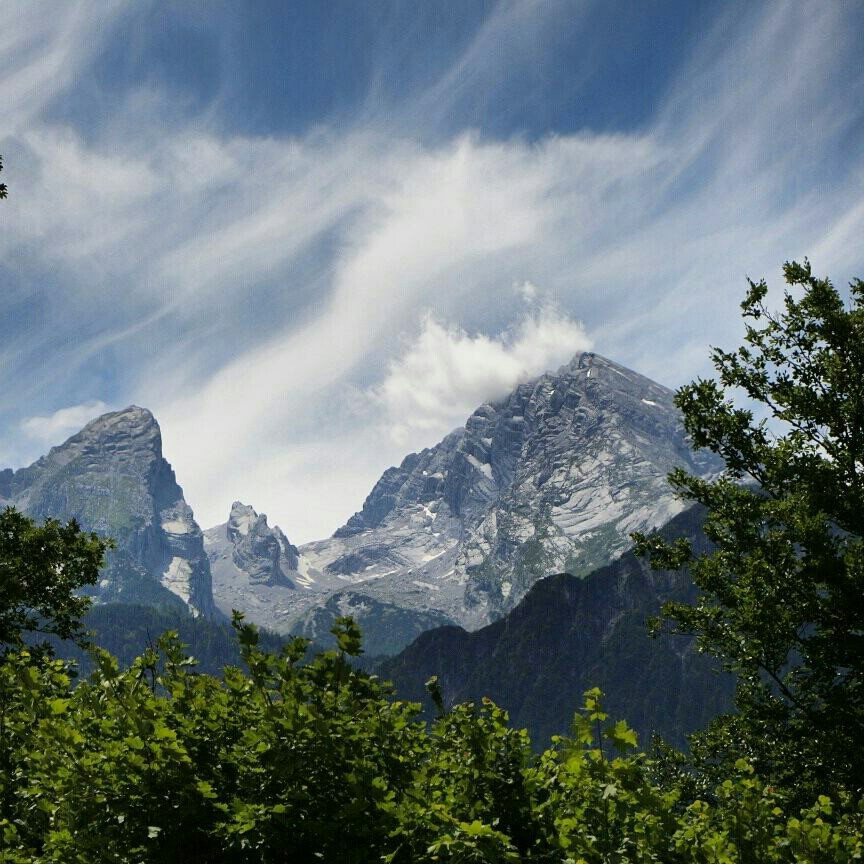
[
  {"x": 177, "y": 578},
  {"x": 304, "y": 577},
  {"x": 244, "y": 523},
  {"x": 483, "y": 467}
]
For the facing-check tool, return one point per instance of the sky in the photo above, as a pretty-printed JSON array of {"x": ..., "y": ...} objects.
[{"x": 312, "y": 237}]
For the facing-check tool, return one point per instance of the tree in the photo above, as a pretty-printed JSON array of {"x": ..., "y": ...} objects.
[
  {"x": 782, "y": 600},
  {"x": 3, "y": 190},
  {"x": 41, "y": 569}
]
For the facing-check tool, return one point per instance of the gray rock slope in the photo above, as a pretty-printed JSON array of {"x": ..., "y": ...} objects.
[
  {"x": 387, "y": 628},
  {"x": 259, "y": 572},
  {"x": 112, "y": 478},
  {"x": 552, "y": 478},
  {"x": 254, "y": 569}
]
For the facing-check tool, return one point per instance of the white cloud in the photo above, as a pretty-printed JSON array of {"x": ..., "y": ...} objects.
[
  {"x": 239, "y": 285},
  {"x": 58, "y": 426},
  {"x": 43, "y": 46},
  {"x": 446, "y": 373},
  {"x": 526, "y": 290},
  {"x": 428, "y": 222}
]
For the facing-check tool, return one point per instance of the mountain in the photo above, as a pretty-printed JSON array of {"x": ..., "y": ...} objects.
[
  {"x": 254, "y": 569},
  {"x": 386, "y": 628},
  {"x": 551, "y": 478},
  {"x": 569, "y": 634},
  {"x": 554, "y": 477},
  {"x": 257, "y": 570},
  {"x": 112, "y": 478}
]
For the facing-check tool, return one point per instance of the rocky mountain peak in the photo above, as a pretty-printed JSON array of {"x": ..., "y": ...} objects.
[
  {"x": 112, "y": 478},
  {"x": 262, "y": 552},
  {"x": 241, "y": 520},
  {"x": 553, "y": 477},
  {"x": 132, "y": 421},
  {"x": 130, "y": 428},
  {"x": 129, "y": 434}
]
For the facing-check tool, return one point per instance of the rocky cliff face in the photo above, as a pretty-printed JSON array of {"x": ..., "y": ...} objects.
[
  {"x": 112, "y": 478},
  {"x": 255, "y": 569},
  {"x": 261, "y": 551},
  {"x": 552, "y": 478}
]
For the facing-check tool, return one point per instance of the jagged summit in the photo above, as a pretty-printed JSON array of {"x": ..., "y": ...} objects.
[
  {"x": 585, "y": 359},
  {"x": 130, "y": 430},
  {"x": 260, "y": 550},
  {"x": 255, "y": 568},
  {"x": 132, "y": 422},
  {"x": 111, "y": 477}
]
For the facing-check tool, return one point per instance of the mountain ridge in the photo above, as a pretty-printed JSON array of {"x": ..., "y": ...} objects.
[
  {"x": 555, "y": 476},
  {"x": 552, "y": 477}
]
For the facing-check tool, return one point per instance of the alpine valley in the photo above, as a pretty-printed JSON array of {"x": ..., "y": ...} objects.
[{"x": 551, "y": 479}]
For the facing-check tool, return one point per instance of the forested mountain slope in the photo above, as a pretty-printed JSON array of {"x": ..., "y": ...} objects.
[{"x": 570, "y": 634}]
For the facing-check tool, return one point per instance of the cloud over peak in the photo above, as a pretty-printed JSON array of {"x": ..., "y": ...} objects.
[
  {"x": 446, "y": 372},
  {"x": 239, "y": 278}
]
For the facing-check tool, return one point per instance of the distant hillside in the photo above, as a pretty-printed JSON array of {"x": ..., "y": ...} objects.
[
  {"x": 126, "y": 630},
  {"x": 570, "y": 634}
]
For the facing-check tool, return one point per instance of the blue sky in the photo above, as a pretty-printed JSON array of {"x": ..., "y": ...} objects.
[{"x": 313, "y": 236}]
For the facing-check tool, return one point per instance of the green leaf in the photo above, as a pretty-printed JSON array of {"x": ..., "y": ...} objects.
[{"x": 58, "y": 706}]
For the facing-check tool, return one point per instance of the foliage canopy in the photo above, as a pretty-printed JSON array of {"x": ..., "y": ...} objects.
[
  {"x": 41, "y": 569},
  {"x": 316, "y": 761},
  {"x": 782, "y": 600}
]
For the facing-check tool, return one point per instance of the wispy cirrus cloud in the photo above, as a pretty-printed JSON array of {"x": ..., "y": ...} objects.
[{"x": 239, "y": 285}]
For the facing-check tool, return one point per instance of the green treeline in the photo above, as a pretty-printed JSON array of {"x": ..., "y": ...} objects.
[
  {"x": 297, "y": 761},
  {"x": 124, "y": 630}
]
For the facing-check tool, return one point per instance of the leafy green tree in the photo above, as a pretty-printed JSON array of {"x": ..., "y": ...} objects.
[
  {"x": 41, "y": 569},
  {"x": 782, "y": 600},
  {"x": 297, "y": 761},
  {"x": 3, "y": 190}
]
